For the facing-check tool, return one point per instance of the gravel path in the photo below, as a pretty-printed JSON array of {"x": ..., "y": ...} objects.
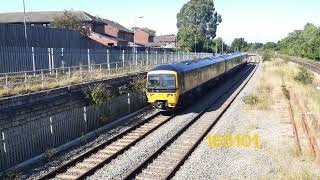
[
  {"x": 118, "y": 168},
  {"x": 272, "y": 160}
]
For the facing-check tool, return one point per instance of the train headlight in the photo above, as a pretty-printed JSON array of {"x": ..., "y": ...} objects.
[{"x": 171, "y": 95}]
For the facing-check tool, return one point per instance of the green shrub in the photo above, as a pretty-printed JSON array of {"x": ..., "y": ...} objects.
[
  {"x": 102, "y": 93},
  {"x": 251, "y": 100},
  {"x": 124, "y": 89},
  {"x": 48, "y": 155},
  {"x": 267, "y": 55},
  {"x": 304, "y": 76},
  {"x": 105, "y": 118},
  {"x": 138, "y": 83}
]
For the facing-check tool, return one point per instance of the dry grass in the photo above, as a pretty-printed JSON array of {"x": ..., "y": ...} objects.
[
  {"x": 34, "y": 84},
  {"x": 274, "y": 73},
  {"x": 271, "y": 78}
]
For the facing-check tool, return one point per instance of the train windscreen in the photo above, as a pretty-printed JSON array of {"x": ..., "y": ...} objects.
[{"x": 161, "y": 82}]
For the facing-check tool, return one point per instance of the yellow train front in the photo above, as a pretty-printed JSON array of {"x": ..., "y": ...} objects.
[
  {"x": 171, "y": 85},
  {"x": 162, "y": 91}
]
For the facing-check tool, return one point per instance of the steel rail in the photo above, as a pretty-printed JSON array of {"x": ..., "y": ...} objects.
[
  {"x": 80, "y": 158},
  {"x": 172, "y": 170}
]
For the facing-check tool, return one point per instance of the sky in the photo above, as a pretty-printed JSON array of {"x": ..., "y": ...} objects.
[{"x": 254, "y": 20}]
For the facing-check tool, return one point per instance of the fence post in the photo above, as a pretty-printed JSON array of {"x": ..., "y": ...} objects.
[
  {"x": 156, "y": 57},
  {"x": 6, "y": 76},
  {"x": 136, "y": 54},
  {"x": 147, "y": 62},
  {"x": 89, "y": 61},
  {"x": 108, "y": 60},
  {"x": 51, "y": 131},
  {"x": 52, "y": 63},
  {"x": 42, "y": 79},
  {"x": 3, "y": 139},
  {"x": 129, "y": 108},
  {"x": 178, "y": 57},
  {"x": 25, "y": 80},
  {"x": 69, "y": 72},
  {"x": 62, "y": 60},
  {"x": 85, "y": 119},
  {"x": 164, "y": 57},
  {"x": 81, "y": 74},
  {"x": 123, "y": 59},
  {"x": 33, "y": 61},
  {"x": 49, "y": 54},
  {"x": 172, "y": 59}
]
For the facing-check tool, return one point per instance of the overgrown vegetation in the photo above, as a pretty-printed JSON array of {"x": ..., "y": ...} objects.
[
  {"x": 304, "y": 43},
  {"x": 50, "y": 81},
  {"x": 48, "y": 155},
  {"x": 304, "y": 76},
  {"x": 71, "y": 22},
  {"x": 101, "y": 93},
  {"x": 105, "y": 118},
  {"x": 137, "y": 83},
  {"x": 251, "y": 100},
  {"x": 10, "y": 174},
  {"x": 267, "y": 55}
]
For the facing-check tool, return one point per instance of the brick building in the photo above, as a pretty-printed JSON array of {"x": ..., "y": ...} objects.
[
  {"x": 102, "y": 30},
  {"x": 142, "y": 37},
  {"x": 166, "y": 41}
]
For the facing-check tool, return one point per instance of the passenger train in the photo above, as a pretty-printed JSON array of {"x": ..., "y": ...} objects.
[{"x": 170, "y": 85}]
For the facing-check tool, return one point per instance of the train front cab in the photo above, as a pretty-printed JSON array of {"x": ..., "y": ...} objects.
[{"x": 163, "y": 89}]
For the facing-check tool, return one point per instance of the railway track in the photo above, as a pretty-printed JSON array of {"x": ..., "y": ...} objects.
[
  {"x": 88, "y": 162},
  {"x": 167, "y": 160},
  {"x": 310, "y": 65}
]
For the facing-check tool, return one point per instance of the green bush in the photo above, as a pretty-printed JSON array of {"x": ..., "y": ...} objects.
[
  {"x": 304, "y": 76},
  {"x": 102, "y": 93},
  {"x": 251, "y": 100},
  {"x": 267, "y": 55}
]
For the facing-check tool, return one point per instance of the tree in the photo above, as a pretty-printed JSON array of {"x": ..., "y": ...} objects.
[
  {"x": 304, "y": 43},
  {"x": 239, "y": 44},
  {"x": 270, "y": 46},
  {"x": 70, "y": 22},
  {"x": 197, "y": 23},
  {"x": 217, "y": 46}
]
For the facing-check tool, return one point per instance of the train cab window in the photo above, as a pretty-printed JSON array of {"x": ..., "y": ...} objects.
[{"x": 161, "y": 82}]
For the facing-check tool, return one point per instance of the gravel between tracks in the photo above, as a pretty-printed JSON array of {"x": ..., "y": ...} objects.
[{"x": 273, "y": 160}]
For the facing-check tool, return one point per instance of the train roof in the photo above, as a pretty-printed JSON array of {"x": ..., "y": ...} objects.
[{"x": 194, "y": 64}]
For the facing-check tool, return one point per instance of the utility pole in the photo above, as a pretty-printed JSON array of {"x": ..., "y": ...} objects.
[
  {"x": 134, "y": 30},
  {"x": 221, "y": 46},
  {"x": 25, "y": 23},
  {"x": 195, "y": 43},
  {"x": 217, "y": 47}
]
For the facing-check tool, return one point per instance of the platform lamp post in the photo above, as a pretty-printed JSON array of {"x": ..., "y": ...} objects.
[
  {"x": 134, "y": 37},
  {"x": 25, "y": 23},
  {"x": 134, "y": 29}
]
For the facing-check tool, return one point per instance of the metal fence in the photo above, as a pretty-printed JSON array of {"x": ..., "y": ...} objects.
[
  {"x": 38, "y": 36},
  {"x": 17, "y": 59},
  {"x": 45, "y": 68},
  {"x": 33, "y": 138}
]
